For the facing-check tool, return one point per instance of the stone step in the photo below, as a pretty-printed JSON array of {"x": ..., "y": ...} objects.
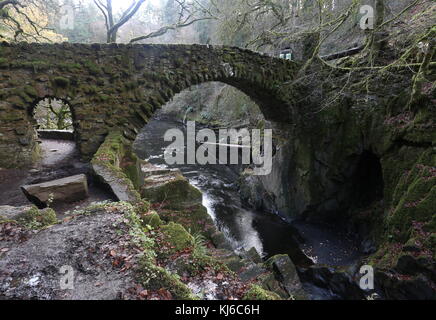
[{"x": 69, "y": 189}]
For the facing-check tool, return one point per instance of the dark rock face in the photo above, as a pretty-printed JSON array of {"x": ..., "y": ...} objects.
[
  {"x": 342, "y": 282},
  {"x": 405, "y": 288},
  {"x": 67, "y": 189},
  {"x": 119, "y": 87}
]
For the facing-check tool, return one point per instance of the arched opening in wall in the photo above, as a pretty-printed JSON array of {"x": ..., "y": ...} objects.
[
  {"x": 367, "y": 180},
  {"x": 53, "y": 114},
  {"x": 214, "y": 106},
  {"x": 55, "y": 129},
  {"x": 68, "y": 182}
]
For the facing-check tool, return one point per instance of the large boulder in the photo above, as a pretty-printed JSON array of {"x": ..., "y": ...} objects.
[
  {"x": 67, "y": 189},
  {"x": 171, "y": 188},
  {"x": 286, "y": 273},
  {"x": 341, "y": 281}
]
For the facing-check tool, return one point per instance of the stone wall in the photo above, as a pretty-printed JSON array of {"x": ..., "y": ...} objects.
[{"x": 120, "y": 86}]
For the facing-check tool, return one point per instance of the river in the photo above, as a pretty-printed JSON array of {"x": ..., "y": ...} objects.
[{"x": 244, "y": 227}]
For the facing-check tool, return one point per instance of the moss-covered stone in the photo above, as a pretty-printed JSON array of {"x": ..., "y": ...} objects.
[
  {"x": 257, "y": 293},
  {"x": 38, "y": 219},
  {"x": 414, "y": 196},
  {"x": 174, "y": 190},
  {"x": 153, "y": 220},
  {"x": 193, "y": 217},
  {"x": 109, "y": 163},
  {"x": 154, "y": 278},
  {"x": 177, "y": 236}
]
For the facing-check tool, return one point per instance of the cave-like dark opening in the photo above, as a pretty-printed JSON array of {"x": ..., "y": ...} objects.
[{"x": 367, "y": 180}]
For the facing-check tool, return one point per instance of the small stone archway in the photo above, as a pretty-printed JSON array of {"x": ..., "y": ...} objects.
[{"x": 52, "y": 113}]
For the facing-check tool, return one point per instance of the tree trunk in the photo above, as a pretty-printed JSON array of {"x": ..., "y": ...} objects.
[{"x": 377, "y": 34}]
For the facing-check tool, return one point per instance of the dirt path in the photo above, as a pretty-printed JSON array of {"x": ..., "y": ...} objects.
[{"x": 60, "y": 159}]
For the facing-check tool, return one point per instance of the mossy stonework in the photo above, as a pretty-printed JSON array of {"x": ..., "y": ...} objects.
[
  {"x": 367, "y": 155},
  {"x": 120, "y": 86},
  {"x": 116, "y": 165}
]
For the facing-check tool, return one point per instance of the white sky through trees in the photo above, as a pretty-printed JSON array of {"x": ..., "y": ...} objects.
[{"x": 120, "y": 5}]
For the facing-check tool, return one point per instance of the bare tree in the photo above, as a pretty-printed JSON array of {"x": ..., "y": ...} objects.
[
  {"x": 188, "y": 13},
  {"x": 112, "y": 27},
  {"x": 24, "y": 18}
]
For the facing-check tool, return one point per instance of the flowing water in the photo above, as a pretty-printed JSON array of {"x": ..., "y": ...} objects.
[{"x": 244, "y": 227}]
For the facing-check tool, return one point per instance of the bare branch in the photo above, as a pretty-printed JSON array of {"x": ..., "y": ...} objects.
[{"x": 165, "y": 29}]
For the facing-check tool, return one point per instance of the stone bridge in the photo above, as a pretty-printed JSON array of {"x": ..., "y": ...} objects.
[{"x": 118, "y": 86}]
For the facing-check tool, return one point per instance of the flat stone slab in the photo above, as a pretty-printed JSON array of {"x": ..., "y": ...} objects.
[
  {"x": 69, "y": 189},
  {"x": 56, "y": 134}
]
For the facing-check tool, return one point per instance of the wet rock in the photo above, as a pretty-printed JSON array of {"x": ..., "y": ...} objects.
[
  {"x": 229, "y": 258},
  {"x": 269, "y": 282},
  {"x": 219, "y": 240},
  {"x": 340, "y": 281},
  {"x": 253, "y": 255},
  {"x": 171, "y": 188},
  {"x": 396, "y": 287},
  {"x": 68, "y": 189},
  {"x": 286, "y": 273},
  {"x": 252, "y": 272},
  {"x": 149, "y": 169}
]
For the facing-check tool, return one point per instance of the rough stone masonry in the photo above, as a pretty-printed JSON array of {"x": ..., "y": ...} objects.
[{"x": 119, "y": 86}]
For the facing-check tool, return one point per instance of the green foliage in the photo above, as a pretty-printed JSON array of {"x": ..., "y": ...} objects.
[
  {"x": 177, "y": 236},
  {"x": 199, "y": 245},
  {"x": 38, "y": 219},
  {"x": 155, "y": 278},
  {"x": 257, "y": 293}
]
